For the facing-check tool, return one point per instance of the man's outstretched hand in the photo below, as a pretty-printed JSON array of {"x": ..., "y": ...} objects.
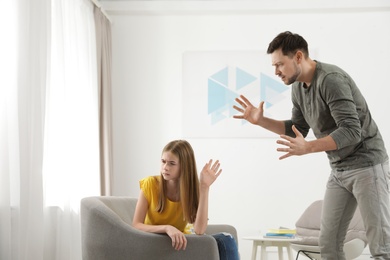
[
  {"x": 249, "y": 112},
  {"x": 294, "y": 145}
]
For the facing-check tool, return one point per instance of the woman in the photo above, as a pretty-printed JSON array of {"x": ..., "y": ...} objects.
[{"x": 168, "y": 203}]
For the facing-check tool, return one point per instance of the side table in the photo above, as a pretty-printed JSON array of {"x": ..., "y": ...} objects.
[{"x": 268, "y": 242}]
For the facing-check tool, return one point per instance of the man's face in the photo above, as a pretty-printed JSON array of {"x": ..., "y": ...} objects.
[{"x": 285, "y": 67}]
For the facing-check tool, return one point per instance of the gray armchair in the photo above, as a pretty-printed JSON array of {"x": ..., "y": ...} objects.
[{"x": 107, "y": 233}]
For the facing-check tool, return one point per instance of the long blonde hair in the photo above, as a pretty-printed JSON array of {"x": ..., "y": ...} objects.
[{"x": 189, "y": 182}]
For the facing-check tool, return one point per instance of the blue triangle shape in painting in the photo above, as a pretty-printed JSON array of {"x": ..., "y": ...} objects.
[
  {"x": 216, "y": 117},
  {"x": 268, "y": 104},
  {"x": 216, "y": 98},
  {"x": 219, "y": 97},
  {"x": 270, "y": 89},
  {"x": 243, "y": 78},
  {"x": 273, "y": 96},
  {"x": 221, "y": 76}
]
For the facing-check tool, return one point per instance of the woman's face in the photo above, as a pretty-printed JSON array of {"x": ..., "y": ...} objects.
[{"x": 170, "y": 166}]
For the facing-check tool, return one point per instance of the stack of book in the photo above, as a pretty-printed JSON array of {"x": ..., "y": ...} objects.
[{"x": 281, "y": 232}]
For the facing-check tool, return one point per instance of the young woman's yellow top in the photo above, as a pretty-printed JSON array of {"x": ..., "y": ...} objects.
[{"x": 173, "y": 211}]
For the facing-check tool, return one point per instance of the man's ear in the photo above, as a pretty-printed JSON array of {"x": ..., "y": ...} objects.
[{"x": 299, "y": 56}]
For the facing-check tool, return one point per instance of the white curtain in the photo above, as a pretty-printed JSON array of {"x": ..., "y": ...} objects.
[{"x": 49, "y": 142}]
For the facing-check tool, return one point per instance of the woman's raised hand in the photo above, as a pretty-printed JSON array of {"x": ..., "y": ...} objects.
[{"x": 210, "y": 173}]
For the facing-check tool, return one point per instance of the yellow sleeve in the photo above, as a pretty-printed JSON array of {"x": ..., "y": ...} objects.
[{"x": 149, "y": 187}]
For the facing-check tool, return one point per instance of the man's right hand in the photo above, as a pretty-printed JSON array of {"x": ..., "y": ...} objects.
[{"x": 250, "y": 113}]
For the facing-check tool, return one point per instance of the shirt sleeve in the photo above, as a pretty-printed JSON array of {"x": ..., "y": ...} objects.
[
  {"x": 147, "y": 185},
  {"x": 338, "y": 95}
]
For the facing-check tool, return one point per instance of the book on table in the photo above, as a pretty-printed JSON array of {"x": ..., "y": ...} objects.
[
  {"x": 276, "y": 235},
  {"x": 280, "y": 232}
]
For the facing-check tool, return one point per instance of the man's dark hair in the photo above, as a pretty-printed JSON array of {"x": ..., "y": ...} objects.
[{"x": 289, "y": 43}]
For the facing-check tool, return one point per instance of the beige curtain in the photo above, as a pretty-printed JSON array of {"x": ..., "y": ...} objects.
[{"x": 103, "y": 47}]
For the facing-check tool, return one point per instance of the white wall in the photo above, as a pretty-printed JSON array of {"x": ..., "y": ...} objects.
[{"x": 256, "y": 191}]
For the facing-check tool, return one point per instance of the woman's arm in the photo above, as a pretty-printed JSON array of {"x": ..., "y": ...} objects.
[
  {"x": 208, "y": 175},
  {"x": 140, "y": 214},
  {"x": 201, "y": 220},
  {"x": 178, "y": 239}
]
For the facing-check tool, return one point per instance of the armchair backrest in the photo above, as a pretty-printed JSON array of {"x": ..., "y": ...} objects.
[
  {"x": 124, "y": 207},
  {"x": 309, "y": 224}
]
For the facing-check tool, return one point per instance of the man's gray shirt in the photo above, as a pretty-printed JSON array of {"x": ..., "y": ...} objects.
[{"x": 333, "y": 105}]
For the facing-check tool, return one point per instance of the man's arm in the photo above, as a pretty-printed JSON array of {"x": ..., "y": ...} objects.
[
  {"x": 299, "y": 146},
  {"x": 255, "y": 115}
]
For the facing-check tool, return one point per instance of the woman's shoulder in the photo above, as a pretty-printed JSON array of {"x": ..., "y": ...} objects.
[{"x": 150, "y": 181}]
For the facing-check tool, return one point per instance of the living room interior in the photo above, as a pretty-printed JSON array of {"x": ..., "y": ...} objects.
[{"x": 163, "y": 54}]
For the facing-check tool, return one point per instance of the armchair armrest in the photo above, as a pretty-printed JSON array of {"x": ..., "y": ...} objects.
[{"x": 219, "y": 228}]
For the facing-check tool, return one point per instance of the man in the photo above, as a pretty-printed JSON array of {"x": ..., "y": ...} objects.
[{"x": 327, "y": 100}]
